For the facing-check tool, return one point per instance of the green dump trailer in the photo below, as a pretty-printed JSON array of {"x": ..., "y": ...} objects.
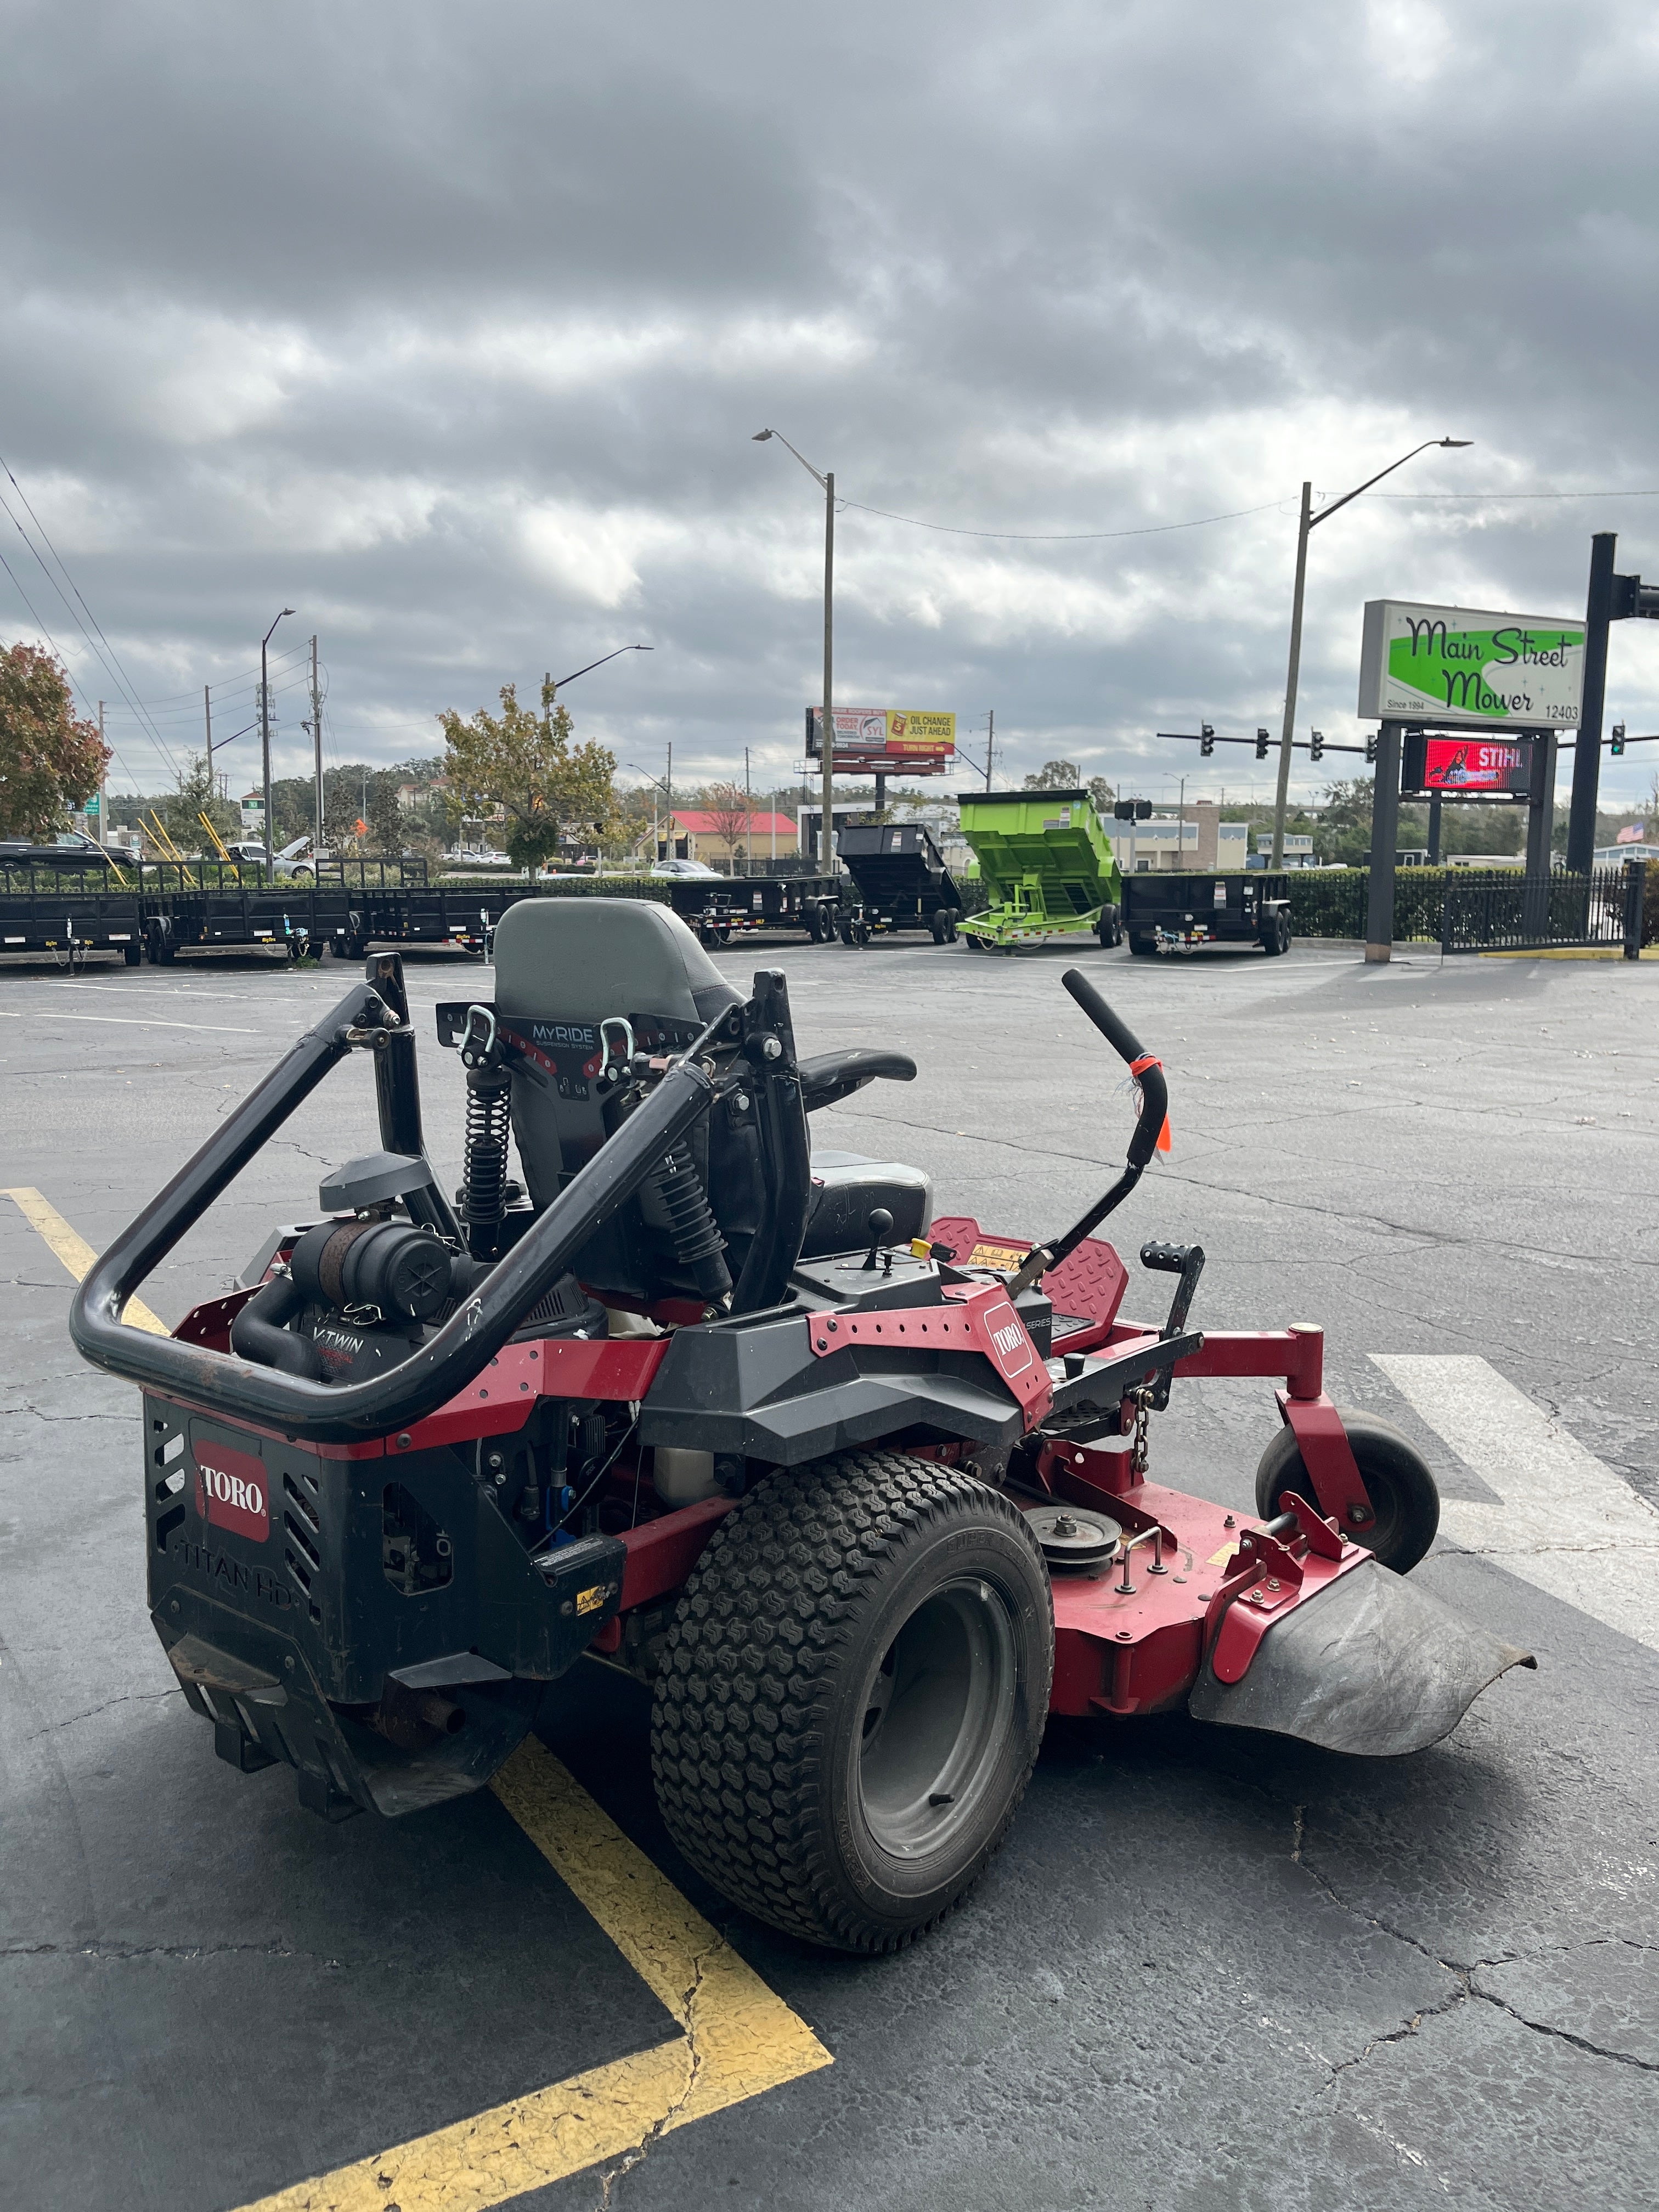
[{"x": 1047, "y": 868}]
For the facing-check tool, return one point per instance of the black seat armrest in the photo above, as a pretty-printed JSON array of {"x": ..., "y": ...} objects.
[{"x": 829, "y": 1076}]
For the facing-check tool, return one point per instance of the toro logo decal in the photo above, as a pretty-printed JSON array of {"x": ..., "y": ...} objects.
[
  {"x": 230, "y": 1491},
  {"x": 1014, "y": 1348}
]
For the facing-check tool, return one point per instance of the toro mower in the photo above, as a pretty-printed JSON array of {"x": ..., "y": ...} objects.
[{"x": 862, "y": 1493}]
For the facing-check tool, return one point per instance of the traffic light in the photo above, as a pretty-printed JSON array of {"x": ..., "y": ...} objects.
[
  {"x": 1618, "y": 744},
  {"x": 1317, "y": 744},
  {"x": 1261, "y": 745},
  {"x": 1206, "y": 738},
  {"x": 1142, "y": 810},
  {"x": 1131, "y": 809},
  {"x": 1370, "y": 751}
]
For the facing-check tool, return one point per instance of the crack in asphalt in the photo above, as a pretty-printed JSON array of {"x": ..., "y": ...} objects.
[
  {"x": 1463, "y": 1971},
  {"x": 640, "y": 2151},
  {"x": 127, "y": 1697},
  {"x": 117, "y": 1953}
]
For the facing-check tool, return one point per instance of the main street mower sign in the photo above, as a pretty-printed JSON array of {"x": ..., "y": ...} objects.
[
  {"x": 895, "y": 739},
  {"x": 1464, "y": 665}
]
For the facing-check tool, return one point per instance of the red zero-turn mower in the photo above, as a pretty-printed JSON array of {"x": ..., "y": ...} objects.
[{"x": 862, "y": 1494}]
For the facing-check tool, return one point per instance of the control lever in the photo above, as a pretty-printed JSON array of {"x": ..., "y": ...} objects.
[
  {"x": 880, "y": 1222},
  {"x": 1186, "y": 1260}
]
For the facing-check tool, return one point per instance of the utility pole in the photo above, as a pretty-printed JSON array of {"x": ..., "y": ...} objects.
[
  {"x": 990, "y": 743},
  {"x": 207, "y": 717},
  {"x": 1281, "y": 792},
  {"x": 748, "y": 818},
  {"x": 317, "y": 745},
  {"x": 827, "y": 739},
  {"x": 668, "y": 787},
  {"x": 103, "y": 785},
  {"x": 264, "y": 732}
]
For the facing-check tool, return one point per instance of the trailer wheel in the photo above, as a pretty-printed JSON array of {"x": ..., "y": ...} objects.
[
  {"x": 1142, "y": 945},
  {"x": 1276, "y": 937},
  {"x": 1403, "y": 1494},
  {"x": 950, "y": 931},
  {"x": 158, "y": 943},
  {"x": 855, "y": 1694},
  {"x": 1110, "y": 928},
  {"x": 939, "y": 926},
  {"x": 132, "y": 954},
  {"x": 814, "y": 921}
]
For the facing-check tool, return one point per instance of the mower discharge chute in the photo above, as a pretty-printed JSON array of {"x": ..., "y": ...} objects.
[{"x": 862, "y": 1494}]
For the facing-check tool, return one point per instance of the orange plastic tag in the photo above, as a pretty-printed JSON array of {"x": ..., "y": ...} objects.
[{"x": 1140, "y": 1068}]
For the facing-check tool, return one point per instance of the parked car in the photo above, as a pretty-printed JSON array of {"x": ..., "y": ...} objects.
[{"x": 684, "y": 870}]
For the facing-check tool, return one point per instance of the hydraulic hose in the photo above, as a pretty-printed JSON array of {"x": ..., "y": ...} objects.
[{"x": 294, "y": 1405}]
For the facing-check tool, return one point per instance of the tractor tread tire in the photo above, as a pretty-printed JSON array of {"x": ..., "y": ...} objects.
[
  {"x": 767, "y": 1632},
  {"x": 1406, "y": 1499}
]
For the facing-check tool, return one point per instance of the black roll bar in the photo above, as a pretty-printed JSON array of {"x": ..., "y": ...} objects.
[{"x": 320, "y": 1412}]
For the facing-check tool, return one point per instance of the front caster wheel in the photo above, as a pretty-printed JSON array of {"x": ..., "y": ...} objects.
[
  {"x": 1401, "y": 1490},
  {"x": 855, "y": 1691}
]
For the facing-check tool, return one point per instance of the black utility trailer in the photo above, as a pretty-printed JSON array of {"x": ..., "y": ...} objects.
[
  {"x": 737, "y": 906},
  {"x": 53, "y": 901},
  {"x": 898, "y": 881},
  {"x": 1179, "y": 912}
]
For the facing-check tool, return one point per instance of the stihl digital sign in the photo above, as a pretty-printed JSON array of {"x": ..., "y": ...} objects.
[{"x": 1468, "y": 768}]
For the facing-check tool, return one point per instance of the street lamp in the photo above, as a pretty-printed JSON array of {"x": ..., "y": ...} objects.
[
  {"x": 827, "y": 729},
  {"x": 264, "y": 733},
  {"x": 553, "y": 690},
  {"x": 1310, "y": 521}
]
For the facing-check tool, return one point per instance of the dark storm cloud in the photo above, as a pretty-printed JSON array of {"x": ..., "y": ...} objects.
[{"x": 448, "y": 327}]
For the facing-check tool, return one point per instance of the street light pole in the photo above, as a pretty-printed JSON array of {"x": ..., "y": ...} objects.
[
  {"x": 1308, "y": 522},
  {"x": 265, "y": 732},
  {"x": 827, "y": 728}
]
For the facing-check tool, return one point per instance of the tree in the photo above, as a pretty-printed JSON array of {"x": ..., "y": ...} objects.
[
  {"x": 727, "y": 805},
  {"x": 50, "y": 763},
  {"x": 1054, "y": 775},
  {"x": 1100, "y": 794},
  {"x": 1344, "y": 821},
  {"x": 548, "y": 787},
  {"x": 182, "y": 809}
]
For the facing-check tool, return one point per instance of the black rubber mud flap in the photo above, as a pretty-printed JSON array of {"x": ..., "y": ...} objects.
[{"x": 1371, "y": 1665}]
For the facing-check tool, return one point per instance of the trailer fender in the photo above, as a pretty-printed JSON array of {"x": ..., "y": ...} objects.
[{"x": 1369, "y": 1664}]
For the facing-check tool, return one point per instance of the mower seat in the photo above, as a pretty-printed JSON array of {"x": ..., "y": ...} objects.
[
  {"x": 847, "y": 1188},
  {"x": 563, "y": 967}
]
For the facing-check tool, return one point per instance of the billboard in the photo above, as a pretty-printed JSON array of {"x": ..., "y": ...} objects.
[
  {"x": 894, "y": 740},
  {"x": 1465, "y": 666},
  {"x": 1468, "y": 768}
]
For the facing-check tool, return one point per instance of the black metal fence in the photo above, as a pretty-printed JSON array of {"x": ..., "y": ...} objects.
[{"x": 1515, "y": 912}]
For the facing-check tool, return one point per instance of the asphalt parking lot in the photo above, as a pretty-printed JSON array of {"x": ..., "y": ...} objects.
[{"x": 1208, "y": 1970}]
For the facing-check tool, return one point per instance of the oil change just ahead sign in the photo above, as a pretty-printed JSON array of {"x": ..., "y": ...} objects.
[{"x": 1464, "y": 665}]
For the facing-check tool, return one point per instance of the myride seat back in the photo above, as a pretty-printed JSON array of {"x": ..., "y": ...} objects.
[{"x": 569, "y": 973}]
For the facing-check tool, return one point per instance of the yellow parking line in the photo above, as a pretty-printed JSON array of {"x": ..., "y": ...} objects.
[
  {"x": 76, "y": 1255},
  {"x": 737, "y": 2037}
]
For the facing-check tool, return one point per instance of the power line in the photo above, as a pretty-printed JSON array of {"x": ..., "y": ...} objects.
[
  {"x": 104, "y": 650},
  {"x": 1061, "y": 537}
]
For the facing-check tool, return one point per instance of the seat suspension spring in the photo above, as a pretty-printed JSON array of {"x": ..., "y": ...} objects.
[
  {"x": 698, "y": 1244},
  {"x": 489, "y": 1100}
]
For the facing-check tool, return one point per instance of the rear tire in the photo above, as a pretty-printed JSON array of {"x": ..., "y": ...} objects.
[
  {"x": 1403, "y": 1493},
  {"x": 1110, "y": 928},
  {"x": 854, "y": 1695},
  {"x": 132, "y": 954},
  {"x": 1276, "y": 938},
  {"x": 1142, "y": 945}
]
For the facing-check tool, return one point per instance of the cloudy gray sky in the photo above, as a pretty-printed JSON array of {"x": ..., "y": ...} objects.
[{"x": 449, "y": 327}]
